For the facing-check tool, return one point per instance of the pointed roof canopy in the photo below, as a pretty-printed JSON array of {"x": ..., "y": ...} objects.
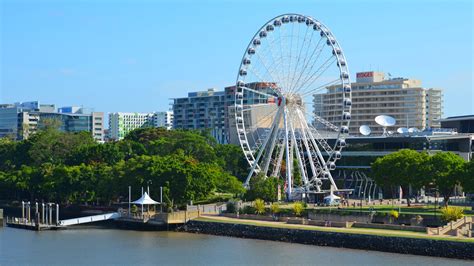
[
  {"x": 145, "y": 200},
  {"x": 332, "y": 197}
]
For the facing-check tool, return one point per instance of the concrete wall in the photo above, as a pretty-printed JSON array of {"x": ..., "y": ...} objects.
[
  {"x": 363, "y": 218},
  {"x": 424, "y": 247}
]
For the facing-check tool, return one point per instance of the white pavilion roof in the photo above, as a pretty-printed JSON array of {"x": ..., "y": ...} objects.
[{"x": 145, "y": 200}]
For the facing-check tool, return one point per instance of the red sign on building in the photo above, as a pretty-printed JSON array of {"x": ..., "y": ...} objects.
[{"x": 365, "y": 74}]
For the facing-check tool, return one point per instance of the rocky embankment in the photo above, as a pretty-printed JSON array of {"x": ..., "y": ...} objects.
[{"x": 403, "y": 245}]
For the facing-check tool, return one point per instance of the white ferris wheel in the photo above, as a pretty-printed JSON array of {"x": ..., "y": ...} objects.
[{"x": 284, "y": 127}]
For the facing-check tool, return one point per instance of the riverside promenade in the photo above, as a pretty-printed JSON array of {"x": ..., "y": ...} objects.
[{"x": 415, "y": 243}]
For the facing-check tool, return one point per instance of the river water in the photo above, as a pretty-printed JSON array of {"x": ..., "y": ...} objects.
[{"x": 92, "y": 246}]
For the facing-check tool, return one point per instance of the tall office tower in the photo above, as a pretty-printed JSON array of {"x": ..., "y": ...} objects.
[
  {"x": 120, "y": 124},
  {"x": 373, "y": 94}
]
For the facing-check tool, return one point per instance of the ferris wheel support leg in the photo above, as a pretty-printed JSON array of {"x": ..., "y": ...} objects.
[
  {"x": 288, "y": 155},
  {"x": 262, "y": 149},
  {"x": 269, "y": 153},
  {"x": 298, "y": 156},
  {"x": 320, "y": 156}
]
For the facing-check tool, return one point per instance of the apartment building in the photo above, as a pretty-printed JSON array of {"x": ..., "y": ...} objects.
[
  {"x": 373, "y": 94},
  {"x": 214, "y": 110}
]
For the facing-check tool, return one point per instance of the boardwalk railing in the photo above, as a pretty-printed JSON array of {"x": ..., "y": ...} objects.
[
  {"x": 461, "y": 227},
  {"x": 90, "y": 219}
]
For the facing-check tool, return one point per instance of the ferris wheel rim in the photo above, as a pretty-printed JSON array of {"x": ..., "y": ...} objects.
[{"x": 343, "y": 77}]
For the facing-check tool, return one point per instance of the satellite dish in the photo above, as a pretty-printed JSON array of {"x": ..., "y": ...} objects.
[
  {"x": 413, "y": 130},
  {"x": 402, "y": 130},
  {"x": 365, "y": 130},
  {"x": 385, "y": 120}
]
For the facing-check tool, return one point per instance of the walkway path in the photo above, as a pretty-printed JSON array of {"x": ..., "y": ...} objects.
[{"x": 381, "y": 232}]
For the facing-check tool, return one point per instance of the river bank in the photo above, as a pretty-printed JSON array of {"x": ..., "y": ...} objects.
[
  {"x": 90, "y": 245},
  {"x": 394, "y": 244}
]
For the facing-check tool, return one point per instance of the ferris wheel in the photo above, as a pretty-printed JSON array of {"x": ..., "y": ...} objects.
[{"x": 286, "y": 127}]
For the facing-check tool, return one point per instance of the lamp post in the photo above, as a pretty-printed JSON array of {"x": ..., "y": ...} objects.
[
  {"x": 148, "y": 191},
  {"x": 361, "y": 201}
]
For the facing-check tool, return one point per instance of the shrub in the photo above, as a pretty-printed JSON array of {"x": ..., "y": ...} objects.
[
  {"x": 248, "y": 210},
  {"x": 394, "y": 214},
  {"x": 275, "y": 207},
  {"x": 231, "y": 208},
  {"x": 298, "y": 208},
  {"x": 259, "y": 206},
  {"x": 449, "y": 214},
  {"x": 134, "y": 209}
]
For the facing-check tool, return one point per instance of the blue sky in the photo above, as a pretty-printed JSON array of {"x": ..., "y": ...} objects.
[{"x": 136, "y": 55}]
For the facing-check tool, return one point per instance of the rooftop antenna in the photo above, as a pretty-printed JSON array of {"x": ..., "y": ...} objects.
[
  {"x": 385, "y": 121},
  {"x": 402, "y": 130},
  {"x": 365, "y": 130}
]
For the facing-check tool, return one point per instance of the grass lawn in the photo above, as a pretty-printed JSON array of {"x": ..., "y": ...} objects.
[{"x": 378, "y": 232}]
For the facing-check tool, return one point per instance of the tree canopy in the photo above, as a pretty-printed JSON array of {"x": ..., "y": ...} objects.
[{"x": 73, "y": 168}]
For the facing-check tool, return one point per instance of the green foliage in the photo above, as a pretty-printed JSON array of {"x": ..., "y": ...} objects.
[
  {"x": 248, "y": 210},
  {"x": 446, "y": 172},
  {"x": 232, "y": 160},
  {"x": 262, "y": 187},
  {"x": 275, "y": 208},
  {"x": 259, "y": 206},
  {"x": 394, "y": 214},
  {"x": 449, "y": 213},
  {"x": 298, "y": 208},
  {"x": 467, "y": 180},
  {"x": 231, "y": 207},
  {"x": 402, "y": 168},
  {"x": 73, "y": 168}
]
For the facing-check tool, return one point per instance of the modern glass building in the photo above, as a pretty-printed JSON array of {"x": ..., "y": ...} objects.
[{"x": 20, "y": 120}]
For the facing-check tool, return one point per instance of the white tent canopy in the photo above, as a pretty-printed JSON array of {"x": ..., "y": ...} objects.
[
  {"x": 145, "y": 200},
  {"x": 332, "y": 197}
]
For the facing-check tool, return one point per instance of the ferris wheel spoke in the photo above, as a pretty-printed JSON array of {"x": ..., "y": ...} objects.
[
  {"x": 328, "y": 125},
  {"x": 315, "y": 75},
  {"x": 320, "y": 88},
  {"x": 316, "y": 51},
  {"x": 276, "y": 63},
  {"x": 300, "y": 49},
  {"x": 259, "y": 92},
  {"x": 289, "y": 59},
  {"x": 270, "y": 73}
]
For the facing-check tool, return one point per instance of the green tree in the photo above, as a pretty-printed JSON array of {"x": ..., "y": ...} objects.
[
  {"x": 403, "y": 168},
  {"x": 446, "y": 171},
  {"x": 467, "y": 181},
  {"x": 232, "y": 159},
  {"x": 262, "y": 187}
]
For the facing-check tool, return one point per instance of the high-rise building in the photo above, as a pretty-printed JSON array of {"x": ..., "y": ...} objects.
[
  {"x": 120, "y": 124},
  {"x": 213, "y": 110},
  {"x": 372, "y": 95},
  {"x": 163, "y": 119},
  {"x": 20, "y": 120},
  {"x": 202, "y": 110}
]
